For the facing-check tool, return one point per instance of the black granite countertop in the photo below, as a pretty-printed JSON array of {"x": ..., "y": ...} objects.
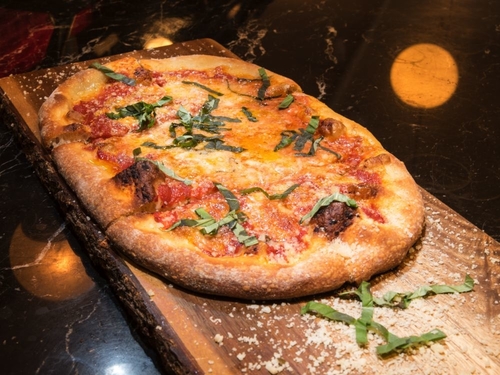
[{"x": 423, "y": 76}]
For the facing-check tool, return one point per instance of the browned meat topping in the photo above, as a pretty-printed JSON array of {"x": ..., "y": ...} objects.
[
  {"x": 361, "y": 191},
  {"x": 141, "y": 177},
  {"x": 333, "y": 219},
  {"x": 330, "y": 128}
]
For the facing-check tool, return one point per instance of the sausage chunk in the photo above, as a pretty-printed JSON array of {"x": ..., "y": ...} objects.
[
  {"x": 333, "y": 219},
  {"x": 330, "y": 128}
]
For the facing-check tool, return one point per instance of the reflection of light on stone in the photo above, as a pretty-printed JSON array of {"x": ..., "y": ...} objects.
[
  {"x": 105, "y": 46},
  {"x": 424, "y": 75},
  {"x": 116, "y": 370},
  {"x": 157, "y": 42},
  {"x": 234, "y": 11},
  {"x": 49, "y": 270},
  {"x": 163, "y": 32}
]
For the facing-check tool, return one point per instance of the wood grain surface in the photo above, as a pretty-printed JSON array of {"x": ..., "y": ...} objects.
[{"x": 199, "y": 334}]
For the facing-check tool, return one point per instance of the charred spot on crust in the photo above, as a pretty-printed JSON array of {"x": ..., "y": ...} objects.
[
  {"x": 141, "y": 177},
  {"x": 333, "y": 219},
  {"x": 142, "y": 75}
]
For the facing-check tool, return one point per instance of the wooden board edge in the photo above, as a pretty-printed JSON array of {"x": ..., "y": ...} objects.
[{"x": 156, "y": 330}]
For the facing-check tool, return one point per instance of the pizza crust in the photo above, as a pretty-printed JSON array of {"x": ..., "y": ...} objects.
[{"x": 366, "y": 247}]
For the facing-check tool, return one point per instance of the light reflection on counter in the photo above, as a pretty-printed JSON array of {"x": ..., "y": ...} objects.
[
  {"x": 48, "y": 269},
  {"x": 424, "y": 76}
]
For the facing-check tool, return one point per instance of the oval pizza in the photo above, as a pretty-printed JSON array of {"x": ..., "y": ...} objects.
[{"x": 225, "y": 178}]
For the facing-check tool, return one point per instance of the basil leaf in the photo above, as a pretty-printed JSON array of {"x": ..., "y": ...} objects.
[
  {"x": 111, "y": 74},
  {"x": 401, "y": 343},
  {"x": 366, "y": 323},
  {"x": 287, "y": 138},
  {"x": 225, "y": 119},
  {"x": 218, "y": 144},
  {"x": 136, "y": 151},
  {"x": 302, "y": 139},
  {"x": 270, "y": 196},
  {"x": 403, "y": 300},
  {"x": 185, "y": 116},
  {"x": 330, "y": 151},
  {"x": 312, "y": 125},
  {"x": 206, "y": 221},
  {"x": 233, "y": 219},
  {"x": 261, "y": 94},
  {"x": 286, "y": 102},
  {"x": 143, "y": 112},
  {"x": 167, "y": 171},
  {"x": 230, "y": 198},
  {"x": 203, "y": 87},
  {"x": 323, "y": 202},
  {"x": 248, "y": 114},
  {"x": 327, "y": 312},
  {"x": 242, "y": 236},
  {"x": 312, "y": 151}
]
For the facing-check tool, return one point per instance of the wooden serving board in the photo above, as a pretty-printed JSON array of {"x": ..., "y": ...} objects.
[{"x": 199, "y": 334}]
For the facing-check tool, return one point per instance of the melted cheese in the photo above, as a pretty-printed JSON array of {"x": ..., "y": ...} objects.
[{"x": 274, "y": 222}]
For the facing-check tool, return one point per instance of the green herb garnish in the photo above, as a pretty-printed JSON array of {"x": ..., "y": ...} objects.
[
  {"x": 403, "y": 300},
  {"x": 366, "y": 323},
  {"x": 286, "y": 102},
  {"x": 325, "y": 201},
  {"x": 270, "y": 196},
  {"x": 233, "y": 219},
  {"x": 111, "y": 74},
  {"x": 204, "y": 121},
  {"x": 143, "y": 112},
  {"x": 211, "y": 91},
  {"x": 261, "y": 94},
  {"x": 302, "y": 137},
  {"x": 248, "y": 114}
]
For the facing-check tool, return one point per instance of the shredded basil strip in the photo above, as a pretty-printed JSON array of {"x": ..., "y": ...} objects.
[
  {"x": 233, "y": 219},
  {"x": 403, "y": 300},
  {"x": 204, "y": 121},
  {"x": 312, "y": 125},
  {"x": 261, "y": 94},
  {"x": 218, "y": 144},
  {"x": 325, "y": 201},
  {"x": 301, "y": 138},
  {"x": 143, "y": 112},
  {"x": 366, "y": 323},
  {"x": 167, "y": 171},
  {"x": 287, "y": 138},
  {"x": 232, "y": 201},
  {"x": 111, "y": 74},
  {"x": 270, "y": 196},
  {"x": 211, "y": 91},
  {"x": 248, "y": 114},
  {"x": 286, "y": 102}
]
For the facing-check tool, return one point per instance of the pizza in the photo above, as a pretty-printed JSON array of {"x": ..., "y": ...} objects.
[{"x": 225, "y": 178}]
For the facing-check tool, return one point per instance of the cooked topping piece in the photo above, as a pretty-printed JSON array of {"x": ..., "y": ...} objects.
[
  {"x": 361, "y": 191},
  {"x": 333, "y": 219},
  {"x": 75, "y": 132},
  {"x": 141, "y": 177},
  {"x": 330, "y": 128},
  {"x": 379, "y": 160}
]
